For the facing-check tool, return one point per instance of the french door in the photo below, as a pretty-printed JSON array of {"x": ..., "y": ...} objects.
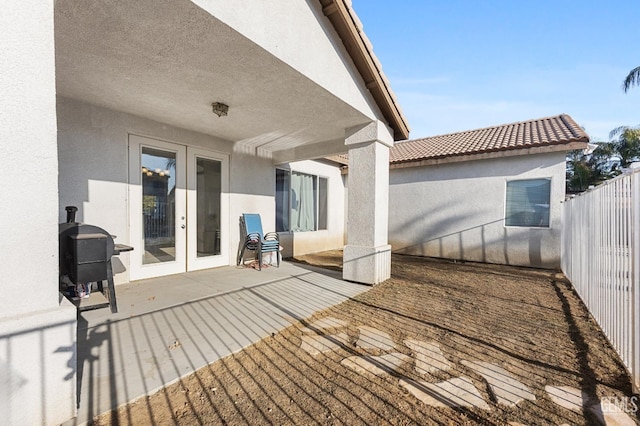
[{"x": 179, "y": 210}]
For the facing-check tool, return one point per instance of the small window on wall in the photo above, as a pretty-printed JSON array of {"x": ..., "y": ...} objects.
[
  {"x": 527, "y": 203},
  {"x": 283, "y": 186},
  {"x": 301, "y": 201},
  {"x": 322, "y": 202}
]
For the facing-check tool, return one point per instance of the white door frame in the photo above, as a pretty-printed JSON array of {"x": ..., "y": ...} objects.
[
  {"x": 138, "y": 270},
  {"x": 186, "y": 258},
  {"x": 193, "y": 261}
]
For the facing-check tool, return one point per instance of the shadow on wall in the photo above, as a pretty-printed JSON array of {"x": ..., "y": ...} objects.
[
  {"x": 509, "y": 249},
  {"x": 535, "y": 247},
  {"x": 20, "y": 391}
]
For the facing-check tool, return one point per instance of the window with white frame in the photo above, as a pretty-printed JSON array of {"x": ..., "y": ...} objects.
[
  {"x": 301, "y": 201},
  {"x": 528, "y": 202}
]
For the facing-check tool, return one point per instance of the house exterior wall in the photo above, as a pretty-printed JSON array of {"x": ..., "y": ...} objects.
[
  {"x": 37, "y": 328},
  {"x": 28, "y": 126},
  {"x": 293, "y": 37},
  {"x": 298, "y": 33},
  {"x": 456, "y": 211},
  {"x": 299, "y": 243},
  {"x": 38, "y": 362},
  {"x": 85, "y": 146},
  {"x": 93, "y": 152}
]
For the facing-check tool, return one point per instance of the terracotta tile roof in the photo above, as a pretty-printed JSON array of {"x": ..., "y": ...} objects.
[
  {"x": 339, "y": 158},
  {"x": 548, "y": 131}
]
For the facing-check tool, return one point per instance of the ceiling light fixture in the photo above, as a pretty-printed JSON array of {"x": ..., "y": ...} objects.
[{"x": 220, "y": 109}]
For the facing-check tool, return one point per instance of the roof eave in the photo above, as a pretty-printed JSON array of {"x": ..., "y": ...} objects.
[
  {"x": 348, "y": 28},
  {"x": 563, "y": 147}
]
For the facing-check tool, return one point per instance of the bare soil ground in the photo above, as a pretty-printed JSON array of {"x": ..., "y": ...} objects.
[{"x": 528, "y": 321}]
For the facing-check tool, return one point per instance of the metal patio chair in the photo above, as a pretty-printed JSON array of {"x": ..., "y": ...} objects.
[{"x": 255, "y": 240}]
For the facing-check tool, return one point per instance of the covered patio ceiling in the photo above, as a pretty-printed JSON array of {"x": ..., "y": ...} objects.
[{"x": 168, "y": 61}]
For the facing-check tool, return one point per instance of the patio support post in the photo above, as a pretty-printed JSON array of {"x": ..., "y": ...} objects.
[{"x": 367, "y": 256}]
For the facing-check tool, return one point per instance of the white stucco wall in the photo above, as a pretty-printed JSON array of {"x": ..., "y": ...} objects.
[
  {"x": 299, "y": 243},
  {"x": 94, "y": 171},
  {"x": 38, "y": 366},
  {"x": 252, "y": 187},
  {"x": 37, "y": 329},
  {"x": 456, "y": 211},
  {"x": 295, "y": 32},
  {"x": 28, "y": 149}
]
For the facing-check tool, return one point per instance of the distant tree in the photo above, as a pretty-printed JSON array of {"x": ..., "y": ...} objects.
[
  {"x": 592, "y": 168},
  {"x": 633, "y": 79},
  {"x": 578, "y": 172},
  {"x": 625, "y": 144}
]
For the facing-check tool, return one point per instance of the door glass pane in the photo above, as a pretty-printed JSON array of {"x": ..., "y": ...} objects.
[
  {"x": 158, "y": 205},
  {"x": 208, "y": 191}
]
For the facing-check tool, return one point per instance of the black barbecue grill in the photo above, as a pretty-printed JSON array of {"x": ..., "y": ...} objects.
[{"x": 85, "y": 257}]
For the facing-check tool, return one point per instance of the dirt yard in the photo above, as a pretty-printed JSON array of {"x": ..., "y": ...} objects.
[{"x": 527, "y": 321}]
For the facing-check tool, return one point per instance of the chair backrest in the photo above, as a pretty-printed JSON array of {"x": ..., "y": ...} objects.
[{"x": 252, "y": 224}]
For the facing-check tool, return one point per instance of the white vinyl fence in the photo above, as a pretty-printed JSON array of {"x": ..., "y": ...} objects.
[{"x": 601, "y": 258}]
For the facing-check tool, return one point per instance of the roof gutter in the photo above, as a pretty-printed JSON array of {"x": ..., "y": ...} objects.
[{"x": 349, "y": 28}]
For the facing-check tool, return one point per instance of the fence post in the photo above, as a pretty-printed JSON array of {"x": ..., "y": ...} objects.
[{"x": 635, "y": 270}]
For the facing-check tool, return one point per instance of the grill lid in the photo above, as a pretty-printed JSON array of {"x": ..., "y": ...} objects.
[{"x": 68, "y": 230}]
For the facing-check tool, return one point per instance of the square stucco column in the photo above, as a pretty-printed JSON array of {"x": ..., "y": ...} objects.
[{"x": 367, "y": 256}]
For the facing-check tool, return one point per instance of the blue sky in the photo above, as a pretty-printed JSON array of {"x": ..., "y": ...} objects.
[{"x": 464, "y": 64}]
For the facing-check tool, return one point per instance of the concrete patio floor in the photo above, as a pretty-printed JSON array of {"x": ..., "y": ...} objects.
[{"x": 169, "y": 327}]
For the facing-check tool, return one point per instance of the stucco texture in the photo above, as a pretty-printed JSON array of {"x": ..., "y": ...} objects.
[
  {"x": 92, "y": 145},
  {"x": 38, "y": 367},
  {"x": 37, "y": 329},
  {"x": 299, "y": 34},
  {"x": 28, "y": 150},
  {"x": 93, "y": 153},
  {"x": 456, "y": 211}
]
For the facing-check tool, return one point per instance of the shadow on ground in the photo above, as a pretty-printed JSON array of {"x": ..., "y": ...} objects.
[{"x": 529, "y": 322}]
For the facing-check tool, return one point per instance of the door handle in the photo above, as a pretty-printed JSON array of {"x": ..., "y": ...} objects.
[{"x": 182, "y": 226}]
